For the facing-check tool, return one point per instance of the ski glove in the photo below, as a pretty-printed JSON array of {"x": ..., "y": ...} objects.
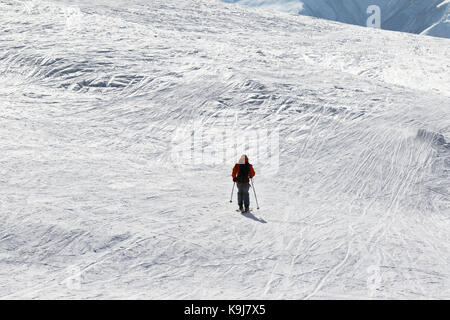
[{"x": 234, "y": 179}]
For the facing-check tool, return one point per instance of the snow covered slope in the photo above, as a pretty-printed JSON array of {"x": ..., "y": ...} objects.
[
  {"x": 97, "y": 97},
  {"x": 431, "y": 17}
]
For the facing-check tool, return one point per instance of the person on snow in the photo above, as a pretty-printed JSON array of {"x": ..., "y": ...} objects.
[{"x": 242, "y": 171}]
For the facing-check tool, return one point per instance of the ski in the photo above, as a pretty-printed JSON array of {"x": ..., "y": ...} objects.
[{"x": 249, "y": 210}]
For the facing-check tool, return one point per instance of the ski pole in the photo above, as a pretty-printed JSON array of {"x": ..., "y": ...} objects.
[
  {"x": 254, "y": 192},
  {"x": 231, "y": 198}
]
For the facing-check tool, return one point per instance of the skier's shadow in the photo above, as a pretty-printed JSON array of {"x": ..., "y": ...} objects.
[{"x": 251, "y": 216}]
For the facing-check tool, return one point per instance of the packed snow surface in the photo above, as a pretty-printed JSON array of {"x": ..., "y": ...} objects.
[
  {"x": 96, "y": 99},
  {"x": 430, "y": 17}
]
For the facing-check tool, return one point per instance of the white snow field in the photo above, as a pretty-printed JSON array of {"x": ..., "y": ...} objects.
[
  {"x": 429, "y": 17},
  {"x": 98, "y": 199}
]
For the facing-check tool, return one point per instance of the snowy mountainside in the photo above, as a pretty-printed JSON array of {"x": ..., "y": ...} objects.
[
  {"x": 97, "y": 97},
  {"x": 431, "y": 17}
]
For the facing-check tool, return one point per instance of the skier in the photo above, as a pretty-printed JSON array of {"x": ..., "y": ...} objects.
[{"x": 242, "y": 171}]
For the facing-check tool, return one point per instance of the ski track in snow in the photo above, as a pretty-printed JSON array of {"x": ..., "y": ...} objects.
[{"x": 90, "y": 103}]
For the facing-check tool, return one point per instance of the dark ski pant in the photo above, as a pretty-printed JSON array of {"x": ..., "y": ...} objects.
[{"x": 243, "y": 196}]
